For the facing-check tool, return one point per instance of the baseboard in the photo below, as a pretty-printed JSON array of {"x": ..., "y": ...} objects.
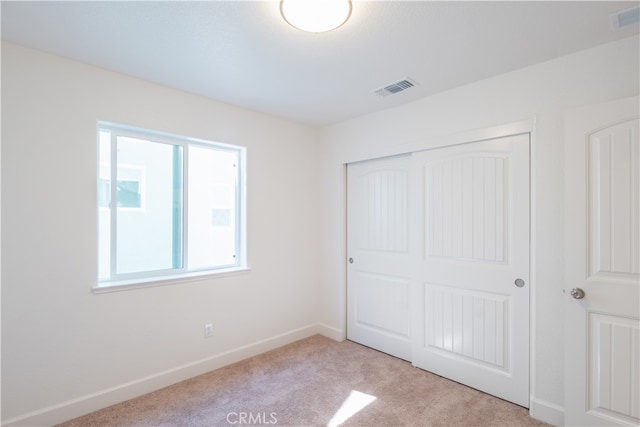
[
  {"x": 546, "y": 411},
  {"x": 331, "y": 332},
  {"x": 92, "y": 402}
]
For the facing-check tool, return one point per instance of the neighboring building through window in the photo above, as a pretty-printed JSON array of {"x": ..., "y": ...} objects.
[
  {"x": 129, "y": 186},
  {"x": 176, "y": 208}
]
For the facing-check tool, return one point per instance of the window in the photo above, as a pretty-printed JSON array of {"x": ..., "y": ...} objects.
[{"x": 176, "y": 209}]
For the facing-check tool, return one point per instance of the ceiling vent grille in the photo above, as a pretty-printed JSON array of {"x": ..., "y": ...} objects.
[
  {"x": 395, "y": 87},
  {"x": 625, "y": 17}
]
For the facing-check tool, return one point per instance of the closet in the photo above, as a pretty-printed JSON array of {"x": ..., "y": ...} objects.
[{"x": 438, "y": 261}]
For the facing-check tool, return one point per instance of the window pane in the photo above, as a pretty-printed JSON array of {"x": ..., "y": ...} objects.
[
  {"x": 149, "y": 206},
  {"x": 129, "y": 192},
  {"x": 212, "y": 207},
  {"x": 104, "y": 203}
]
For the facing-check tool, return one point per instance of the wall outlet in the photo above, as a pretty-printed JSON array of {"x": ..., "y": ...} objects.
[{"x": 208, "y": 330}]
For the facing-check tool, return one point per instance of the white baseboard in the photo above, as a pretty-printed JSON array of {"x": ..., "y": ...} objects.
[
  {"x": 74, "y": 408},
  {"x": 546, "y": 411},
  {"x": 331, "y": 332}
]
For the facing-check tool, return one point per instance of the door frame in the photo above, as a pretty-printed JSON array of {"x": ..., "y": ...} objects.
[{"x": 538, "y": 409}]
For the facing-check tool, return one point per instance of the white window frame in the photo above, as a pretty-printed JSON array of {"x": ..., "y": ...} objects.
[{"x": 122, "y": 281}]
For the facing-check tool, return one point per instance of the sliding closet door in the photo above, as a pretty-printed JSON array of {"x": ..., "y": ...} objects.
[
  {"x": 379, "y": 264},
  {"x": 471, "y": 312}
]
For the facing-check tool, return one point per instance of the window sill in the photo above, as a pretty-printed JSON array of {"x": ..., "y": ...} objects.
[{"x": 147, "y": 282}]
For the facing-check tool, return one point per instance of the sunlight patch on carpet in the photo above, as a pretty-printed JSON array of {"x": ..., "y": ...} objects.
[{"x": 355, "y": 403}]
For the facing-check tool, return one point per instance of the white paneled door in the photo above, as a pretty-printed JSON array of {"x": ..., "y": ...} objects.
[
  {"x": 438, "y": 267},
  {"x": 379, "y": 268},
  {"x": 602, "y": 272},
  {"x": 471, "y": 308}
]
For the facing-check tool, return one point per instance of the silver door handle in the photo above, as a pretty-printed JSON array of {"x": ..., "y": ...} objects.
[{"x": 577, "y": 293}]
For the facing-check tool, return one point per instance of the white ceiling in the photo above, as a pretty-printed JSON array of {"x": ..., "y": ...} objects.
[{"x": 245, "y": 54}]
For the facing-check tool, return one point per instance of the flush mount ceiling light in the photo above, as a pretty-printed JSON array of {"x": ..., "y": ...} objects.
[{"x": 315, "y": 16}]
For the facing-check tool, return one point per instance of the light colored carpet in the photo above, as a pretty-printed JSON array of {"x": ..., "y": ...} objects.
[{"x": 306, "y": 384}]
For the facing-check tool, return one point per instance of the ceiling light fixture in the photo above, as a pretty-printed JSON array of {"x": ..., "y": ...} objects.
[{"x": 315, "y": 16}]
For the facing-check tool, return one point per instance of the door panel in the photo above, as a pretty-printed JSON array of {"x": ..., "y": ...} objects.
[
  {"x": 613, "y": 369},
  {"x": 465, "y": 216},
  {"x": 614, "y": 195},
  {"x": 602, "y": 208},
  {"x": 469, "y": 326},
  {"x": 379, "y": 271},
  {"x": 471, "y": 320},
  {"x": 376, "y": 292}
]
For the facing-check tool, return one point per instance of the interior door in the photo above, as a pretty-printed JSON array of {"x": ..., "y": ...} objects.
[
  {"x": 471, "y": 308},
  {"x": 379, "y": 264},
  {"x": 602, "y": 281}
]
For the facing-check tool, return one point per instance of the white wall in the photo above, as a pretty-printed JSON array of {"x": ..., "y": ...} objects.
[
  {"x": 65, "y": 350},
  {"x": 540, "y": 93}
]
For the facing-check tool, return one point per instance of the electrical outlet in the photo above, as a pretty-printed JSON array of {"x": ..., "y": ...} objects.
[{"x": 208, "y": 330}]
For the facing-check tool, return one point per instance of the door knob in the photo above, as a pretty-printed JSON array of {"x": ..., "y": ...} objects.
[
  {"x": 577, "y": 293},
  {"x": 350, "y": 260}
]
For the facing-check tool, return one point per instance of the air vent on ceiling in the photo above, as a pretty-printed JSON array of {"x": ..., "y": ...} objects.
[
  {"x": 395, "y": 87},
  {"x": 625, "y": 17}
]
